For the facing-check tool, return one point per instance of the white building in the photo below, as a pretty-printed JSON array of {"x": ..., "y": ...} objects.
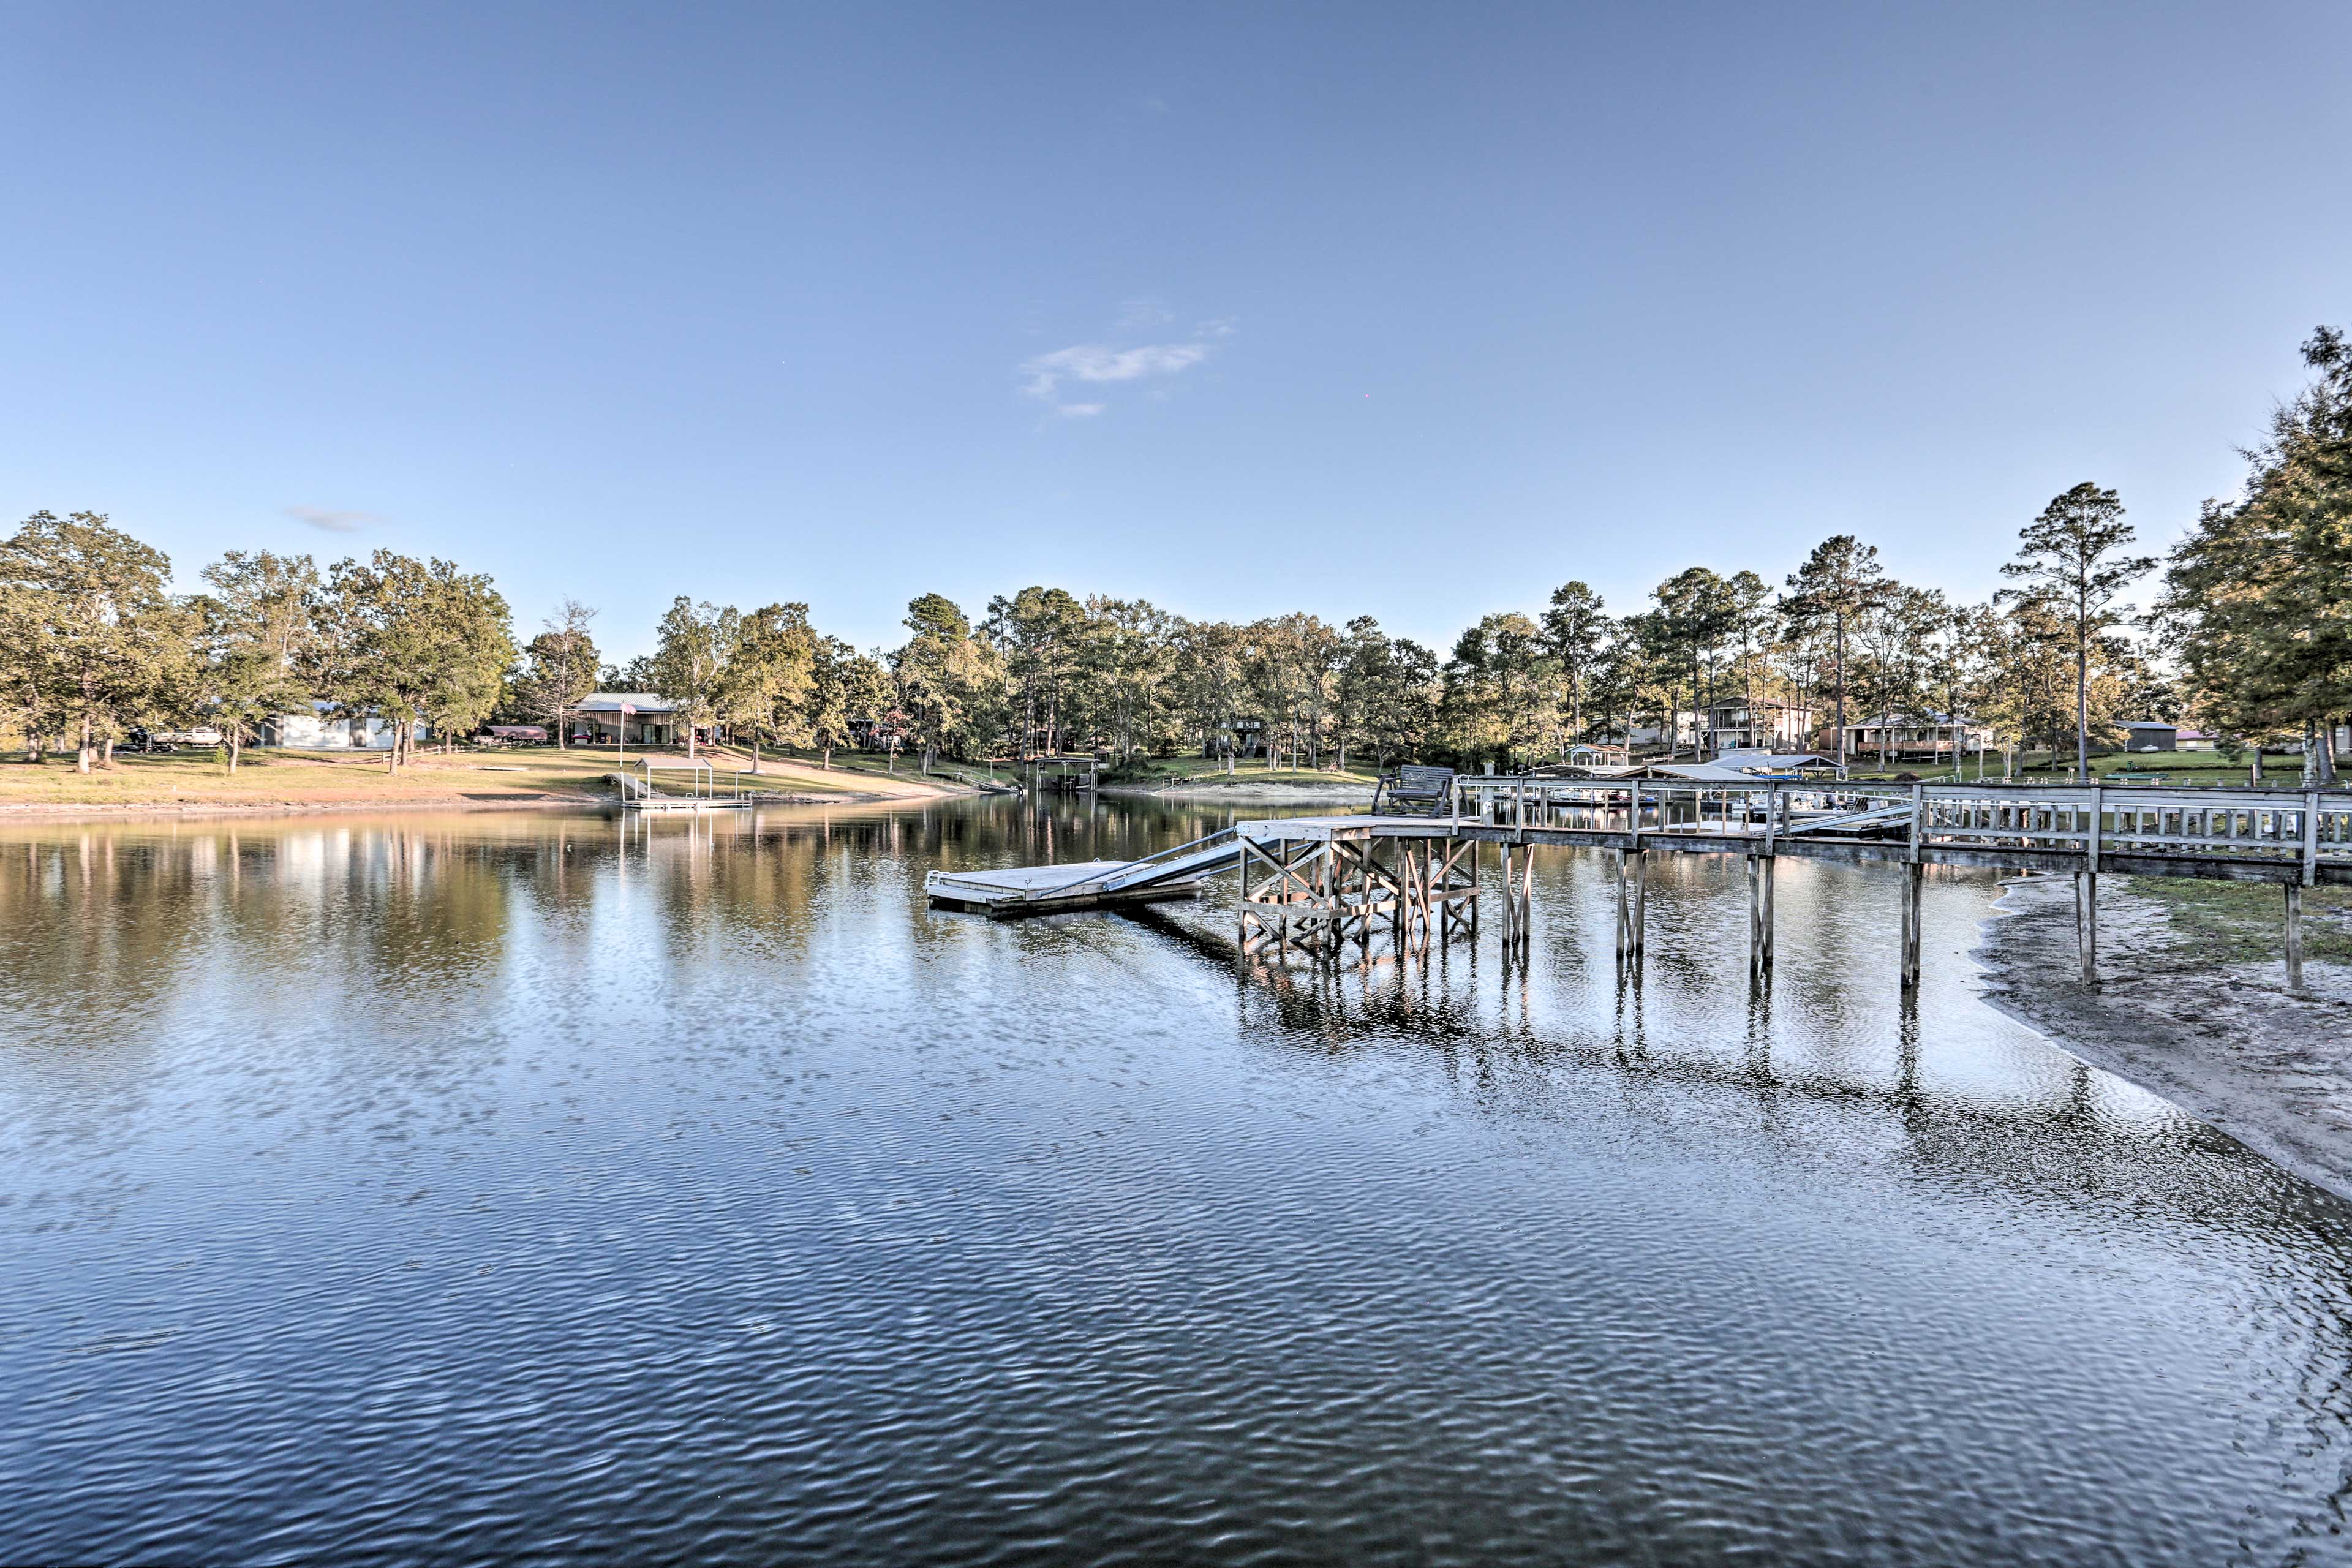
[
  {"x": 1736, "y": 724},
  {"x": 323, "y": 730}
]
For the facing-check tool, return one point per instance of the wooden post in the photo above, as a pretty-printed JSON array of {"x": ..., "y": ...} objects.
[
  {"x": 1510, "y": 928},
  {"x": 1641, "y": 899},
  {"x": 2086, "y": 924},
  {"x": 2294, "y": 939},
  {"x": 1624, "y": 906},
  {"x": 1913, "y": 873},
  {"x": 1243, "y": 864},
  {"x": 1760, "y": 916},
  {"x": 1526, "y": 894}
]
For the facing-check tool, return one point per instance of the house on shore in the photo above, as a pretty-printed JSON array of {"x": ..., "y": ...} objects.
[
  {"x": 1736, "y": 724},
  {"x": 324, "y": 729},
  {"x": 631, "y": 718},
  {"x": 1915, "y": 737}
]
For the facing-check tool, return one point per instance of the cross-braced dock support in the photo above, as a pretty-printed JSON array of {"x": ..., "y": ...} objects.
[
  {"x": 1632, "y": 899},
  {"x": 1519, "y": 896},
  {"x": 1320, "y": 896}
]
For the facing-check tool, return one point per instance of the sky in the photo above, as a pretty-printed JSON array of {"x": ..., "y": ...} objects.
[{"x": 1409, "y": 310}]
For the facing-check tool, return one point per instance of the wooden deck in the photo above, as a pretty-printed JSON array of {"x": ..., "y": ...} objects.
[{"x": 1327, "y": 882}]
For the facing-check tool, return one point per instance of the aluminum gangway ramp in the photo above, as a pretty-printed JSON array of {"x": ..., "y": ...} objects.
[{"x": 1010, "y": 891}]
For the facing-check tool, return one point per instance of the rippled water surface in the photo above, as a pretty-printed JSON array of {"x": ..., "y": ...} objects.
[{"x": 503, "y": 1184}]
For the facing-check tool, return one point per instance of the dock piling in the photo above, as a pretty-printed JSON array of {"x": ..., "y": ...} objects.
[
  {"x": 2294, "y": 939},
  {"x": 1760, "y": 916},
  {"x": 1913, "y": 874}
]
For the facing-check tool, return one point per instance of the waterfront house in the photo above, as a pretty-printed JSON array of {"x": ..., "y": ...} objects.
[
  {"x": 1767, "y": 724},
  {"x": 1915, "y": 737},
  {"x": 324, "y": 729},
  {"x": 2151, "y": 735},
  {"x": 638, "y": 718}
]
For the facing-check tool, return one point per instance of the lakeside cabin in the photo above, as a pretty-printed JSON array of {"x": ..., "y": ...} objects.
[
  {"x": 1916, "y": 737},
  {"x": 635, "y": 718}
]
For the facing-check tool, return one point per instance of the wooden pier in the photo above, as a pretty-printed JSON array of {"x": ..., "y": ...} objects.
[{"x": 1319, "y": 885}]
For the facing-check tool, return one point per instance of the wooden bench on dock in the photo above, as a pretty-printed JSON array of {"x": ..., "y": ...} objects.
[{"x": 1416, "y": 791}]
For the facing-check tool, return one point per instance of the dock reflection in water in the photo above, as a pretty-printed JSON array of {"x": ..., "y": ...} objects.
[{"x": 520, "y": 1184}]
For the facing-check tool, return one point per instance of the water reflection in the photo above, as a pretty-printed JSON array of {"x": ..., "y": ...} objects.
[{"x": 499, "y": 1184}]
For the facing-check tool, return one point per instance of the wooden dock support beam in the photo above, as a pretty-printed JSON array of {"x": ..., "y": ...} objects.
[
  {"x": 1914, "y": 874},
  {"x": 1518, "y": 902},
  {"x": 2294, "y": 939},
  {"x": 1631, "y": 889},
  {"x": 2086, "y": 923},
  {"x": 1760, "y": 916}
]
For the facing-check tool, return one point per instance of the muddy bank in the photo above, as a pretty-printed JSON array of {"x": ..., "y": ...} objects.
[{"x": 2192, "y": 1004}]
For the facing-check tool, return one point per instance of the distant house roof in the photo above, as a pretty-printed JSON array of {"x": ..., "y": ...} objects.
[
  {"x": 1699, "y": 772},
  {"x": 611, "y": 701},
  {"x": 1773, "y": 762},
  {"x": 2153, "y": 724}
]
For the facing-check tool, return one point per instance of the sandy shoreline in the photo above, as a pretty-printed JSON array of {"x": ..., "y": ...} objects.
[
  {"x": 2225, "y": 1043},
  {"x": 86, "y": 811}
]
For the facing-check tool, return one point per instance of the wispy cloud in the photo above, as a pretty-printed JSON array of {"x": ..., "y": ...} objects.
[
  {"x": 1101, "y": 365},
  {"x": 330, "y": 521}
]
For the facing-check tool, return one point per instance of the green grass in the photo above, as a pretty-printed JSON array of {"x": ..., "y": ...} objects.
[
  {"x": 299, "y": 778},
  {"x": 2190, "y": 769},
  {"x": 1210, "y": 770},
  {"x": 2223, "y": 924}
]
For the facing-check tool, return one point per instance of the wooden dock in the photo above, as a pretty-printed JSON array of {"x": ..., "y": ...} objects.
[{"x": 1320, "y": 884}]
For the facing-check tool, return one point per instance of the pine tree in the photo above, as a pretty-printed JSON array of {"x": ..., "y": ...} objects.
[{"x": 2067, "y": 556}]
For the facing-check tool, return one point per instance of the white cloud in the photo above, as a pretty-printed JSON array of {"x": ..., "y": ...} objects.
[
  {"x": 1099, "y": 364},
  {"x": 333, "y": 522},
  {"x": 1078, "y": 410}
]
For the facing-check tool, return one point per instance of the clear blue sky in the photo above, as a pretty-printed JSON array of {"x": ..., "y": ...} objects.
[{"x": 1414, "y": 311}]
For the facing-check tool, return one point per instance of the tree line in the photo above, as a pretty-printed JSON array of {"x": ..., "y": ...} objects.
[{"x": 2251, "y": 633}]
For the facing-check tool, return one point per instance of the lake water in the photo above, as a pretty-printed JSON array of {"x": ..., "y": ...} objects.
[{"x": 495, "y": 1186}]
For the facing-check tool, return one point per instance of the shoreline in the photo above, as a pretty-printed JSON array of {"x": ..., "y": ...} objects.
[
  {"x": 95, "y": 811},
  {"x": 1244, "y": 789},
  {"x": 2225, "y": 1043}
]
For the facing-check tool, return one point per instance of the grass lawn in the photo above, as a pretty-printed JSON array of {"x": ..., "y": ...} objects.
[
  {"x": 2222, "y": 923},
  {"x": 2280, "y": 770},
  {"x": 1210, "y": 770},
  {"x": 274, "y": 777},
  {"x": 300, "y": 778}
]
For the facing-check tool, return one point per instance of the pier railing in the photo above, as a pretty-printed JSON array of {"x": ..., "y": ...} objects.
[{"x": 2271, "y": 834}]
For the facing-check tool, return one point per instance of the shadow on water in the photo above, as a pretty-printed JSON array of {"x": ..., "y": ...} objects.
[{"x": 505, "y": 1185}]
